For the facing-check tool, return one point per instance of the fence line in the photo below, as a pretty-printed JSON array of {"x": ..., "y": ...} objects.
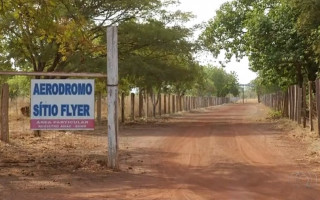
[
  {"x": 134, "y": 106},
  {"x": 130, "y": 108},
  {"x": 299, "y": 104}
]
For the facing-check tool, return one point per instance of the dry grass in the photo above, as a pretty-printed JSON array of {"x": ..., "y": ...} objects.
[
  {"x": 247, "y": 101},
  {"x": 54, "y": 150},
  {"x": 297, "y": 133},
  {"x": 63, "y": 150}
]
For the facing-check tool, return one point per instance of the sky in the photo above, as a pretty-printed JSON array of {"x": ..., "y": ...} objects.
[{"x": 205, "y": 10}]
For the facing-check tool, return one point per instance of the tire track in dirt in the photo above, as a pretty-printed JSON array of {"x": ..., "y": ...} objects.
[
  {"x": 247, "y": 144},
  {"x": 223, "y": 153}
]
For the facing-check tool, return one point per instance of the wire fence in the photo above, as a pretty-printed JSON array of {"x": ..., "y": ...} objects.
[
  {"x": 85, "y": 149},
  {"x": 300, "y": 104}
]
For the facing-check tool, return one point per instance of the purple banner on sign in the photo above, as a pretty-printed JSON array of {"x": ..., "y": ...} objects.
[{"x": 62, "y": 124}]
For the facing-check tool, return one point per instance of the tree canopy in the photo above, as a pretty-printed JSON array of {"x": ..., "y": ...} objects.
[
  {"x": 216, "y": 81},
  {"x": 47, "y": 36},
  {"x": 279, "y": 37},
  {"x": 156, "y": 52}
]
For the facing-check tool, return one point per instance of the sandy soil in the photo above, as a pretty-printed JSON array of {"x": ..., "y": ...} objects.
[{"x": 226, "y": 152}]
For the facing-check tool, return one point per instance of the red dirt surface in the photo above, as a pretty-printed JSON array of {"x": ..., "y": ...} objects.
[{"x": 227, "y": 152}]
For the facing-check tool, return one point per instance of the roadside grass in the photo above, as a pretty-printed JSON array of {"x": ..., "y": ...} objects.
[
  {"x": 310, "y": 139},
  {"x": 274, "y": 115},
  {"x": 303, "y": 137}
]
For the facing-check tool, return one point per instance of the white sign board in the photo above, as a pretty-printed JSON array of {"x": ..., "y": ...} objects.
[{"x": 58, "y": 104}]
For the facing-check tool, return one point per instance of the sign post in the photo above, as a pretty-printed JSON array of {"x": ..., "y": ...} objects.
[
  {"x": 112, "y": 83},
  {"x": 62, "y": 104}
]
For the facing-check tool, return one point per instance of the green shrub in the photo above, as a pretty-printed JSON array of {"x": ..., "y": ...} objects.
[{"x": 274, "y": 114}]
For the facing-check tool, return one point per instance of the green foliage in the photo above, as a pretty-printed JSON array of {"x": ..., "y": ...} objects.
[
  {"x": 155, "y": 51},
  {"x": 61, "y": 35},
  {"x": 19, "y": 86},
  {"x": 308, "y": 22},
  {"x": 274, "y": 115},
  {"x": 263, "y": 86},
  {"x": 215, "y": 81},
  {"x": 224, "y": 83},
  {"x": 154, "y": 56},
  {"x": 268, "y": 32}
]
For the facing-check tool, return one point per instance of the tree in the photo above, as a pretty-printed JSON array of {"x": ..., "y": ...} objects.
[
  {"x": 263, "y": 86},
  {"x": 156, "y": 56},
  {"x": 308, "y": 25},
  {"x": 19, "y": 86},
  {"x": 224, "y": 83},
  {"x": 61, "y": 35},
  {"x": 216, "y": 81},
  {"x": 266, "y": 32}
]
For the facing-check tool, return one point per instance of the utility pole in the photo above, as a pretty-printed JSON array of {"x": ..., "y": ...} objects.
[{"x": 112, "y": 85}]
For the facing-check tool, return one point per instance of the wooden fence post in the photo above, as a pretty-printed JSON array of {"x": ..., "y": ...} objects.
[
  {"x": 173, "y": 103},
  {"x": 311, "y": 106},
  {"x": 112, "y": 83},
  {"x": 147, "y": 105},
  {"x": 285, "y": 104},
  {"x": 277, "y": 99},
  {"x": 292, "y": 103},
  {"x": 122, "y": 107},
  {"x": 196, "y": 99},
  {"x": 177, "y": 106},
  {"x": 177, "y": 103},
  {"x": 299, "y": 104},
  {"x": 140, "y": 103},
  {"x": 132, "y": 106},
  {"x": 4, "y": 113},
  {"x": 296, "y": 103},
  {"x": 99, "y": 97},
  {"x": 197, "y": 102},
  {"x": 304, "y": 106},
  {"x": 318, "y": 104},
  {"x": 160, "y": 104},
  {"x": 289, "y": 103},
  {"x": 187, "y": 103},
  {"x": 193, "y": 103},
  {"x": 169, "y": 102},
  {"x": 165, "y": 104}
]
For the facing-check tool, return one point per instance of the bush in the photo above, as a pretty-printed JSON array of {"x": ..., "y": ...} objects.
[
  {"x": 19, "y": 86},
  {"x": 275, "y": 114}
]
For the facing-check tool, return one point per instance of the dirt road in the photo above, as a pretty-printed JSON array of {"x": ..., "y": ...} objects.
[{"x": 226, "y": 152}]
